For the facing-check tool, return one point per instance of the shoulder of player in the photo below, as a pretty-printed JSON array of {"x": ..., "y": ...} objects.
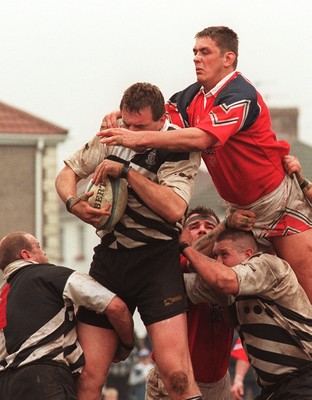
[
  {"x": 278, "y": 267},
  {"x": 235, "y": 90}
]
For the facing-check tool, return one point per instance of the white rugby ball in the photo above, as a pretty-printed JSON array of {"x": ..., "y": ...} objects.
[{"x": 115, "y": 193}]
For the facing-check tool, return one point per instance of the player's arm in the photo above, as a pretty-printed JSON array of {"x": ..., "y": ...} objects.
[
  {"x": 66, "y": 183},
  {"x": 192, "y": 138},
  {"x": 179, "y": 140},
  {"x": 83, "y": 290},
  {"x": 66, "y": 187},
  {"x": 240, "y": 219},
  {"x": 206, "y": 242},
  {"x": 161, "y": 199},
  {"x": 120, "y": 317},
  {"x": 215, "y": 274},
  {"x": 219, "y": 277},
  {"x": 292, "y": 166},
  {"x": 241, "y": 369}
]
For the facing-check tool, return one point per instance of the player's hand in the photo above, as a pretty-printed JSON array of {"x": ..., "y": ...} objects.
[
  {"x": 237, "y": 390},
  {"x": 185, "y": 236},
  {"x": 110, "y": 120},
  {"x": 89, "y": 214},
  {"x": 123, "y": 137},
  {"x": 122, "y": 352},
  {"x": 241, "y": 219},
  {"x": 107, "y": 167},
  {"x": 292, "y": 165}
]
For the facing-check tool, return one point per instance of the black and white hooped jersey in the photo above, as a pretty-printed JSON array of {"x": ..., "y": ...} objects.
[
  {"x": 271, "y": 313},
  {"x": 140, "y": 225},
  {"x": 37, "y": 319},
  {"x": 274, "y": 317}
]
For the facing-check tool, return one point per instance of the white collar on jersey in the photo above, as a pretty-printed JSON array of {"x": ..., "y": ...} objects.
[
  {"x": 14, "y": 266},
  {"x": 218, "y": 85}
]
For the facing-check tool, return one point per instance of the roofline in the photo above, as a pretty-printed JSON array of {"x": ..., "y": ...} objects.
[
  {"x": 29, "y": 139},
  {"x": 33, "y": 117}
]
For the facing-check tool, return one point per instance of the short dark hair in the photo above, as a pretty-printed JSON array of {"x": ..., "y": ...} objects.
[
  {"x": 202, "y": 210},
  {"x": 143, "y": 95},
  {"x": 11, "y": 247},
  {"x": 226, "y": 39},
  {"x": 237, "y": 235}
]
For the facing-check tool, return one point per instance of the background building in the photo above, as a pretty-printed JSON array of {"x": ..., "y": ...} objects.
[{"x": 28, "y": 147}]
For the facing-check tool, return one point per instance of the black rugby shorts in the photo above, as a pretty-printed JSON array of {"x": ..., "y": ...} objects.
[
  {"x": 39, "y": 380},
  {"x": 147, "y": 277}
]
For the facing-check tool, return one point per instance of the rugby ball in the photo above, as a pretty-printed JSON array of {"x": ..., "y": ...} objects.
[{"x": 115, "y": 193}]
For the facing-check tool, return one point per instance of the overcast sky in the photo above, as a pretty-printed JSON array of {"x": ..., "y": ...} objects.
[{"x": 69, "y": 61}]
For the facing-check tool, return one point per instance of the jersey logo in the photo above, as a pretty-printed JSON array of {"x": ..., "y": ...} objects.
[
  {"x": 212, "y": 161},
  {"x": 150, "y": 161},
  {"x": 3, "y": 304},
  {"x": 235, "y": 113}
]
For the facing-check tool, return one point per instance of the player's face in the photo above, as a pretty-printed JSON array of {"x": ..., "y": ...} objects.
[
  {"x": 36, "y": 253},
  {"x": 209, "y": 62},
  {"x": 142, "y": 121},
  {"x": 226, "y": 253},
  {"x": 199, "y": 225}
]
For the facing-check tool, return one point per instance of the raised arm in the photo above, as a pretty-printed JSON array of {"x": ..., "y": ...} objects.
[
  {"x": 186, "y": 139},
  {"x": 219, "y": 277},
  {"x": 240, "y": 219},
  {"x": 206, "y": 242}
]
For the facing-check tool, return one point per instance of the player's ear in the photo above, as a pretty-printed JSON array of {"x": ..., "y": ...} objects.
[
  {"x": 249, "y": 252},
  {"x": 162, "y": 120},
  {"x": 229, "y": 58},
  {"x": 25, "y": 254}
]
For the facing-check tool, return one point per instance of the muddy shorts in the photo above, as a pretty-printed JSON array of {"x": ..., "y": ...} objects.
[{"x": 285, "y": 211}]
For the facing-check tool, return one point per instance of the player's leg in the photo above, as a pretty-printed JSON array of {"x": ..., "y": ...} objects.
[
  {"x": 99, "y": 346},
  {"x": 220, "y": 390},
  {"x": 162, "y": 305},
  {"x": 155, "y": 389},
  {"x": 170, "y": 344},
  {"x": 279, "y": 214},
  {"x": 297, "y": 251}
]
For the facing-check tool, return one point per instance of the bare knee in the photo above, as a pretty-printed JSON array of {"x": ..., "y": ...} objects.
[
  {"x": 179, "y": 382},
  {"x": 90, "y": 384}
]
